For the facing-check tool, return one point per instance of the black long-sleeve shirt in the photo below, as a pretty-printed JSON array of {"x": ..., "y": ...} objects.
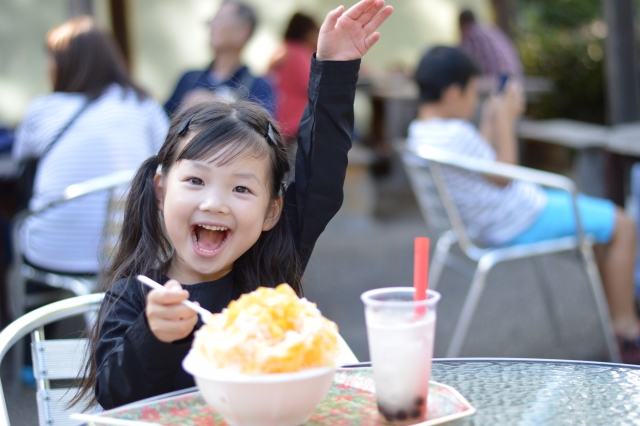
[{"x": 132, "y": 363}]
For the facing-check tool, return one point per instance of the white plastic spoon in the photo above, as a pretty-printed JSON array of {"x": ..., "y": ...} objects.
[{"x": 204, "y": 314}]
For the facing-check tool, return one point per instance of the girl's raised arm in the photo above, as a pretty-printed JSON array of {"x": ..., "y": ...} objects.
[
  {"x": 345, "y": 36},
  {"x": 326, "y": 129}
]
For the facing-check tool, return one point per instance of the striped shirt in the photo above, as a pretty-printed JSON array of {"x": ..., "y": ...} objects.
[
  {"x": 115, "y": 132},
  {"x": 492, "y": 213},
  {"x": 492, "y": 50}
]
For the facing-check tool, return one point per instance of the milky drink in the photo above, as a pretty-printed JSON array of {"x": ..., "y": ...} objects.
[{"x": 401, "y": 348}]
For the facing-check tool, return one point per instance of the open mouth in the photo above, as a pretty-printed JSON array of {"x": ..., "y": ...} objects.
[{"x": 209, "y": 238}]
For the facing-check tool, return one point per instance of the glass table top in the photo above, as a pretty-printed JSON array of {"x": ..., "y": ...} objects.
[{"x": 534, "y": 392}]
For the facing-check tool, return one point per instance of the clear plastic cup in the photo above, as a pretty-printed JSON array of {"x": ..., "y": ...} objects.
[{"x": 401, "y": 336}]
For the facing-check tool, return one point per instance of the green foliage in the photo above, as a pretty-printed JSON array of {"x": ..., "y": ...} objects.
[
  {"x": 563, "y": 41},
  {"x": 566, "y": 14}
]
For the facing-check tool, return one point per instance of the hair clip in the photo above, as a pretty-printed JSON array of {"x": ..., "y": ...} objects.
[
  {"x": 271, "y": 136},
  {"x": 184, "y": 127},
  {"x": 283, "y": 187}
]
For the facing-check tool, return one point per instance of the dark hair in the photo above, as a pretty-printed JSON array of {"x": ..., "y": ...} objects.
[
  {"x": 246, "y": 13},
  {"x": 466, "y": 17},
  {"x": 224, "y": 131},
  {"x": 442, "y": 67},
  {"x": 299, "y": 26},
  {"x": 87, "y": 59}
]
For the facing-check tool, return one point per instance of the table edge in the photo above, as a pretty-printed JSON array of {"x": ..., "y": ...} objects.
[{"x": 517, "y": 360}]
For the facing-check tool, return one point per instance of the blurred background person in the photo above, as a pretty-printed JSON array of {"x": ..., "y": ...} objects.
[
  {"x": 103, "y": 123},
  {"x": 289, "y": 71},
  {"x": 506, "y": 213},
  {"x": 489, "y": 47},
  {"x": 226, "y": 76}
]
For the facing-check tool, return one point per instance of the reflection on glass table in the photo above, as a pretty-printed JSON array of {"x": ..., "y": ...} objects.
[{"x": 535, "y": 392}]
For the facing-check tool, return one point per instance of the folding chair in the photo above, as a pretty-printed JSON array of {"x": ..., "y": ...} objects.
[
  {"x": 424, "y": 169},
  {"x": 22, "y": 272},
  {"x": 56, "y": 359}
]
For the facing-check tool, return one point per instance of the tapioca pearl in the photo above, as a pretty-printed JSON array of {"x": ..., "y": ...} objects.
[
  {"x": 388, "y": 415},
  {"x": 419, "y": 400},
  {"x": 401, "y": 415},
  {"x": 415, "y": 413}
]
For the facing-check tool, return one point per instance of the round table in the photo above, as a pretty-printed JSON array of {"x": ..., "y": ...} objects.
[{"x": 535, "y": 392}]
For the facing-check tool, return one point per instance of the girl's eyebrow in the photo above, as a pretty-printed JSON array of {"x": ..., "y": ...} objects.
[
  {"x": 198, "y": 164},
  {"x": 248, "y": 175}
]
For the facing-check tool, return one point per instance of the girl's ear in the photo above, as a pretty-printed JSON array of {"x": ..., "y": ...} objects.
[
  {"x": 273, "y": 214},
  {"x": 158, "y": 184}
]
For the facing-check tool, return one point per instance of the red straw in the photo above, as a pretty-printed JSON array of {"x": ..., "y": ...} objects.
[{"x": 420, "y": 271}]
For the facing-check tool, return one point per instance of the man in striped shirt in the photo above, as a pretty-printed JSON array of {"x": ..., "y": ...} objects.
[{"x": 498, "y": 212}]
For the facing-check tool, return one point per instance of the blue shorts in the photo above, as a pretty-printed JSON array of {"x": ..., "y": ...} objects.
[{"x": 557, "y": 219}]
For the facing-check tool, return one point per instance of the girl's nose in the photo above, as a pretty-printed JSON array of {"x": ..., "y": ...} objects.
[{"x": 214, "y": 202}]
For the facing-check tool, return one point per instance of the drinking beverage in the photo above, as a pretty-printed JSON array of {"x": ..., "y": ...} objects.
[{"x": 401, "y": 336}]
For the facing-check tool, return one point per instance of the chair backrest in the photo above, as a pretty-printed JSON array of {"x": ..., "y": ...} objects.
[
  {"x": 113, "y": 224},
  {"x": 53, "y": 360},
  {"x": 427, "y": 194},
  {"x": 115, "y": 184},
  {"x": 438, "y": 208}
]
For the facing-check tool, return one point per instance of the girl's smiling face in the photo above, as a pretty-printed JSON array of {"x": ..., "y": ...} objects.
[{"x": 214, "y": 212}]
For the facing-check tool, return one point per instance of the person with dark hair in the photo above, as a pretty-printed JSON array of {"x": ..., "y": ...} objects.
[
  {"x": 289, "y": 72},
  {"x": 96, "y": 122},
  {"x": 489, "y": 47},
  {"x": 226, "y": 77},
  {"x": 503, "y": 213},
  {"x": 213, "y": 212}
]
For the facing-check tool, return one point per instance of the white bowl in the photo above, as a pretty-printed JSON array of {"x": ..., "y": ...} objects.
[{"x": 283, "y": 399}]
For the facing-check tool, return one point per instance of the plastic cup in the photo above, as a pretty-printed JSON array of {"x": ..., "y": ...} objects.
[{"x": 401, "y": 340}]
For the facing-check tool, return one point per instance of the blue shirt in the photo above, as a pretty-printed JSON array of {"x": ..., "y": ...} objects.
[{"x": 242, "y": 84}]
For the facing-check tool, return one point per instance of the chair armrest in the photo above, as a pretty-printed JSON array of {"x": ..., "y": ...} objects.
[
  {"x": 90, "y": 186},
  {"x": 497, "y": 169},
  {"x": 505, "y": 171}
]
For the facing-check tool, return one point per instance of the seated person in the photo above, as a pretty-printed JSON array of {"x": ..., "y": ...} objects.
[
  {"x": 489, "y": 47},
  {"x": 226, "y": 77},
  {"x": 97, "y": 121},
  {"x": 499, "y": 212},
  {"x": 289, "y": 72}
]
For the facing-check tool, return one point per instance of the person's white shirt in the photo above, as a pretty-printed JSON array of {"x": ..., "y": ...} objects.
[
  {"x": 493, "y": 214},
  {"x": 115, "y": 132}
]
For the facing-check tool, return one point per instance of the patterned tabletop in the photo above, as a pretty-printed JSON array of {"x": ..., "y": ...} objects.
[
  {"x": 500, "y": 391},
  {"x": 535, "y": 392}
]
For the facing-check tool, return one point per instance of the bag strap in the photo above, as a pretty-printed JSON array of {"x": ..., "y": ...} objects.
[{"x": 66, "y": 126}]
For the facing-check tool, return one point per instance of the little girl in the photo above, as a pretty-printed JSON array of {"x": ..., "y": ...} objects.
[{"x": 213, "y": 212}]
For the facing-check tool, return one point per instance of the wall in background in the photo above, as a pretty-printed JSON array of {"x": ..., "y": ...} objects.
[{"x": 167, "y": 37}]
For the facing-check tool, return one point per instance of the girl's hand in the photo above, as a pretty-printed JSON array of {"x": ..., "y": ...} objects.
[
  {"x": 349, "y": 35},
  {"x": 168, "y": 319}
]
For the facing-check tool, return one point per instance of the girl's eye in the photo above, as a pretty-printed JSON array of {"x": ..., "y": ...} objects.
[
  {"x": 195, "y": 181},
  {"x": 242, "y": 189}
]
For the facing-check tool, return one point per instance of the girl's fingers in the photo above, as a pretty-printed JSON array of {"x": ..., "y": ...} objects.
[
  {"x": 371, "y": 40},
  {"x": 171, "y": 294},
  {"x": 359, "y": 8},
  {"x": 169, "y": 331},
  {"x": 172, "y": 312},
  {"x": 168, "y": 297},
  {"x": 377, "y": 20},
  {"x": 371, "y": 11},
  {"x": 172, "y": 284},
  {"x": 331, "y": 19}
]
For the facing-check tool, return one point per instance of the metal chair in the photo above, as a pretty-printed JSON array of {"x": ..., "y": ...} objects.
[
  {"x": 56, "y": 359},
  {"x": 21, "y": 272},
  {"x": 424, "y": 169}
]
